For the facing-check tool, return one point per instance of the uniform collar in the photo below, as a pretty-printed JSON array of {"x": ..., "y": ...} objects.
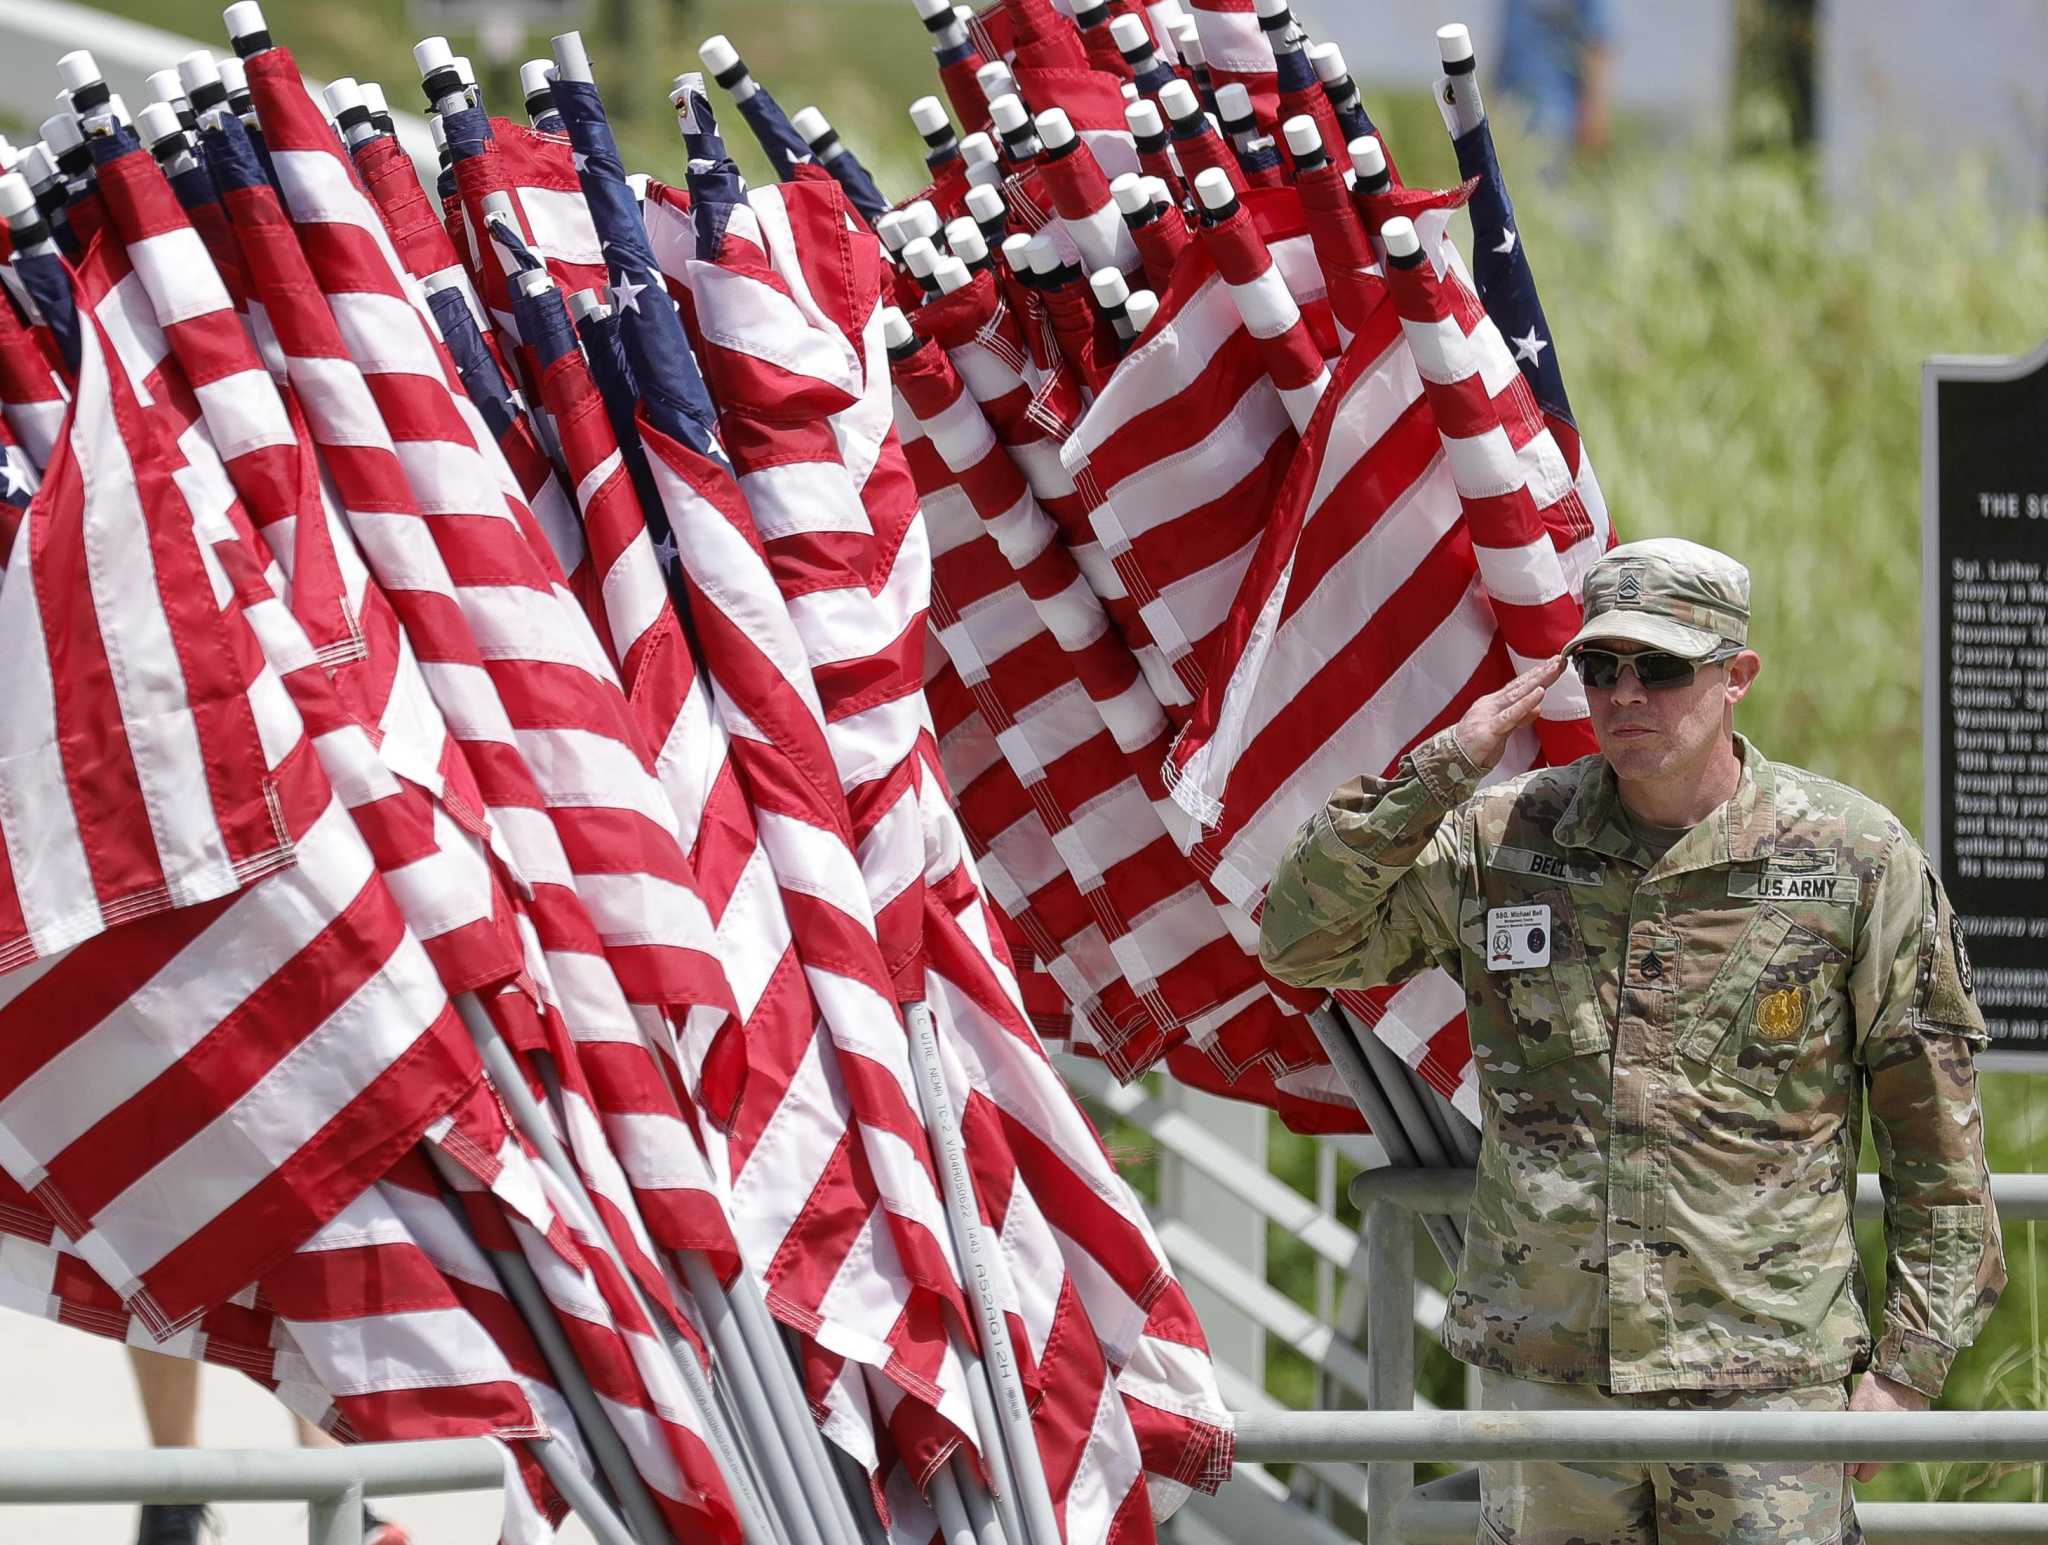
[{"x": 1743, "y": 828}]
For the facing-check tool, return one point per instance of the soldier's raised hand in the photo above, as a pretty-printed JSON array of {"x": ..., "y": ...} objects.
[{"x": 1483, "y": 732}]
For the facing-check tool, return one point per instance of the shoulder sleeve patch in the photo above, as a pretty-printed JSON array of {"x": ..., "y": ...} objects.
[{"x": 1946, "y": 980}]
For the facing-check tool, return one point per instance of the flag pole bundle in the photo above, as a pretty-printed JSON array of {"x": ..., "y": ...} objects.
[{"x": 575, "y": 739}]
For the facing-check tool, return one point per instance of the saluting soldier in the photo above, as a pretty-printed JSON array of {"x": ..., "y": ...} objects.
[{"x": 1687, "y": 969}]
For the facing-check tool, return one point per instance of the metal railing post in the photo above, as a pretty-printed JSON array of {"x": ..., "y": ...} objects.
[
  {"x": 1390, "y": 1353},
  {"x": 336, "y": 1518}
]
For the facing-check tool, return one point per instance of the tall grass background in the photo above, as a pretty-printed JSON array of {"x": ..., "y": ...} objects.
[{"x": 1744, "y": 362}]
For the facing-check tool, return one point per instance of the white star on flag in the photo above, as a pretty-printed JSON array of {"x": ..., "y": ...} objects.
[
  {"x": 665, "y": 550},
  {"x": 1530, "y": 347},
  {"x": 625, "y": 292},
  {"x": 1507, "y": 240},
  {"x": 17, "y": 480}
]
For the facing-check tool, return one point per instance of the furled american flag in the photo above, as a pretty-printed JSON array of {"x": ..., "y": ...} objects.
[{"x": 1507, "y": 285}]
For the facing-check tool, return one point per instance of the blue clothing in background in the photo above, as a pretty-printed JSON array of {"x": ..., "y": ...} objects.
[{"x": 1543, "y": 48}]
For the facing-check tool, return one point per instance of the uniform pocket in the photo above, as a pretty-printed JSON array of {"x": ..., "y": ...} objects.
[
  {"x": 1757, "y": 1016},
  {"x": 1551, "y": 1009}
]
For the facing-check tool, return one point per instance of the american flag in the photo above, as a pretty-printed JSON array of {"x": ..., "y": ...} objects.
[
  {"x": 1507, "y": 289},
  {"x": 214, "y": 998},
  {"x": 1007, "y": 1091},
  {"x": 33, "y": 396},
  {"x": 877, "y": 1166}
]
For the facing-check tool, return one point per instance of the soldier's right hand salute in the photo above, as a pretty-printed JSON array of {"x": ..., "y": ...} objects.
[{"x": 1483, "y": 732}]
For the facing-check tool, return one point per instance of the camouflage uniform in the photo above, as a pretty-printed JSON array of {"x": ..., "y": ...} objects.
[
  {"x": 1672, "y": 1098},
  {"x": 1672, "y": 1504}
]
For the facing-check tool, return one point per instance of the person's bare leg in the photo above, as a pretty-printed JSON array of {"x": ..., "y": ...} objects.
[{"x": 169, "y": 1387}]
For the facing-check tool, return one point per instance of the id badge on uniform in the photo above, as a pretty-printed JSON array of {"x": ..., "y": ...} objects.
[{"x": 1517, "y": 937}]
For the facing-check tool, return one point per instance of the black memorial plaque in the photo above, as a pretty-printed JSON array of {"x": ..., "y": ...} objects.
[{"x": 1984, "y": 558}]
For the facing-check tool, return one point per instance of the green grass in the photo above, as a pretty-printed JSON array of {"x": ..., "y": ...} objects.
[{"x": 1745, "y": 369}]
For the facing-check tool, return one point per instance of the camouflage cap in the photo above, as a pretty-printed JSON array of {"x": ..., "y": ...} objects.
[{"x": 1666, "y": 593}]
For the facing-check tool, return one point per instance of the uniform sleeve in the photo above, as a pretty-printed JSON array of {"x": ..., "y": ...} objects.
[
  {"x": 1367, "y": 893},
  {"x": 1917, "y": 1032}
]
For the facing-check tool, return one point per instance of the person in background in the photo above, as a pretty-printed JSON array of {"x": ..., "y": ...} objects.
[
  {"x": 169, "y": 1388},
  {"x": 1554, "y": 65}
]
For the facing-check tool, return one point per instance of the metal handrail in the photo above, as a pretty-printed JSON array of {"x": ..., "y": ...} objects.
[
  {"x": 2018, "y": 1198},
  {"x": 333, "y": 1482},
  {"x": 1846, "y": 1437},
  {"x": 1392, "y": 1436}
]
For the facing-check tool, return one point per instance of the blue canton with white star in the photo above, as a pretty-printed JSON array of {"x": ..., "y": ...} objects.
[{"x": 1500, "y": 269}]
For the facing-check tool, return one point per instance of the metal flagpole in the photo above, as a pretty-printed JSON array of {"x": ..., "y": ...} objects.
[
  {"x": 1393, "y": 1076},
  {"x": 954, "y": 1529},
  {"x": 528, "y": 1297},
  {"x": 978, "y": 1264},
  {"x": 560, "y": 1467},
  {"x": 777, "y": 1441},
  {"x": 534, "y": 1125},
  {"x": 779, "y": 1451},
  {"x": 784, "y": 1395},
  {"x": 988, "y": 1529},
  {"x": 1340, "y": 1046}
]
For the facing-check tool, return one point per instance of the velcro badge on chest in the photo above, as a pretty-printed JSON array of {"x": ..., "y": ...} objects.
[
  {"x": 1517, "y": 938},
  {"x": 1775, "y": 884},
  {"x": 1549, "y": 866}
]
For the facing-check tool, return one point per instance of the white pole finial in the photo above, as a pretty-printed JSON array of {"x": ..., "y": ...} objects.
[
  {"x": 1304, "y": 134},
  {"x": 572, "y": 60},
  {"x": 1212, "y": 187},
  {"x": 77, "y": 69},
  {"x": 198, "y": 69},
  {"x": 244, "y": 19},
  {"x": 157, "y": 123},
  {"x": 1055, "y": 129},
  {"x": 1400, "y": 237}
]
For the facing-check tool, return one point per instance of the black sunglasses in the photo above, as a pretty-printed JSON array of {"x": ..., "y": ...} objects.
[{"x": 1654, "y": 668}]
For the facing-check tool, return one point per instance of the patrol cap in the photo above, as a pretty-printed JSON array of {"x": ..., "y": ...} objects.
[{"x": 1666, "y": 593}]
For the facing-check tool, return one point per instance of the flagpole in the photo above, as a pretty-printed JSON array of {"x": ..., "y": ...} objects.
[
  {"x": 981, "y": 1513},
  {"x": 784, "y": 1393},
  {"x": 780, "y": 1441},
  {"x": 533, "y": 1124},
  {"x": 1334, "y": 1031},
  {"x": 775, "y": 1443},
  {"x": 1463, "y": 107},
  {"x": 954, "y": 1529},
  {"x": 978, "y": 1265},
  {"x": 606, "y": 1447},
  {"x": 583, "y": 1498}
]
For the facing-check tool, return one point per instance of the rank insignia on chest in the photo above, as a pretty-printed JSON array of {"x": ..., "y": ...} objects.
[{"x": 1781, "y": 1015}]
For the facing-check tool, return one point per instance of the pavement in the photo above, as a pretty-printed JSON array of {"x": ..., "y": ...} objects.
[{"x": 61, "y": 1388}]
